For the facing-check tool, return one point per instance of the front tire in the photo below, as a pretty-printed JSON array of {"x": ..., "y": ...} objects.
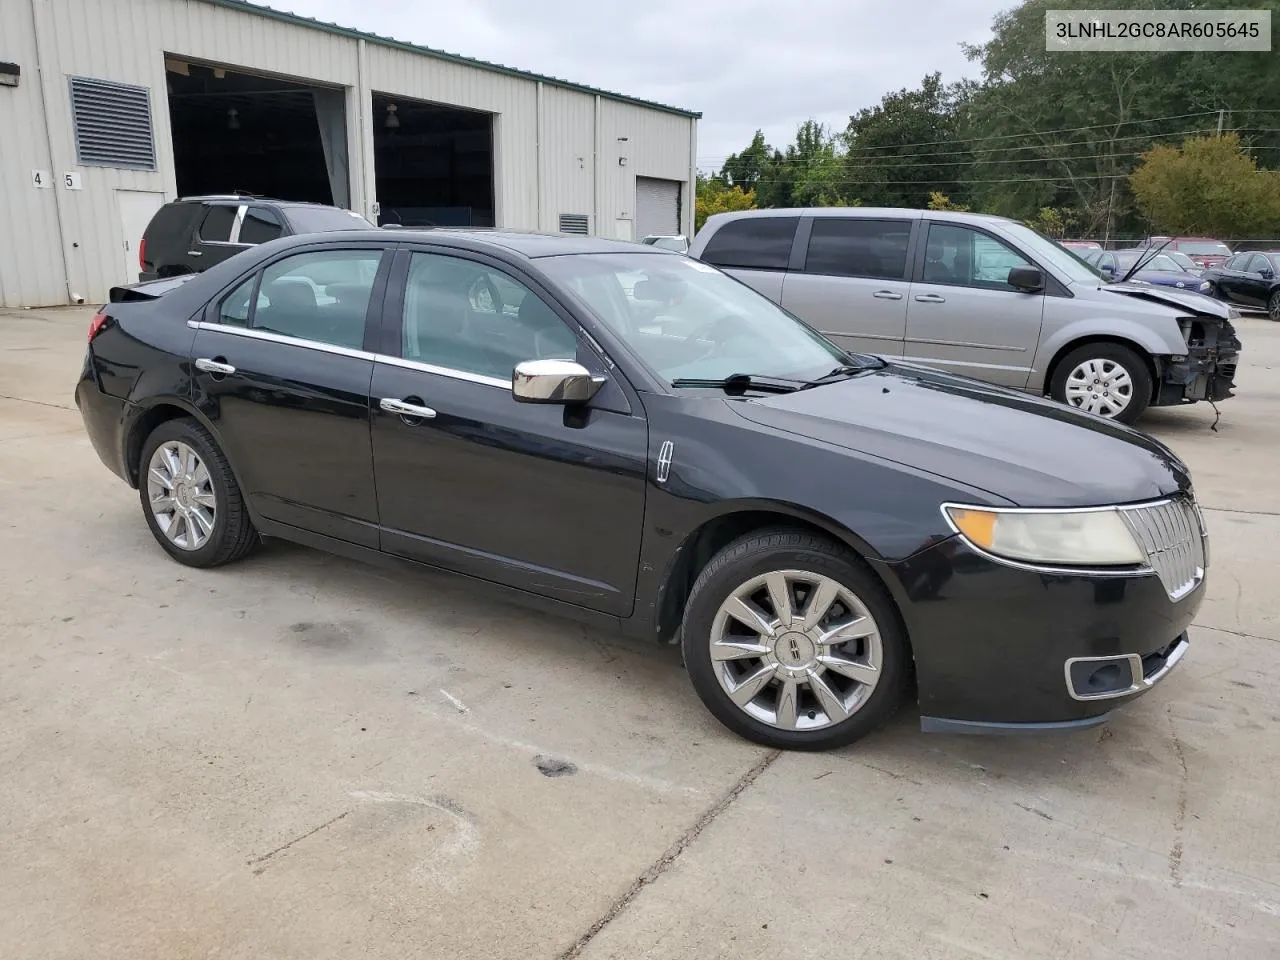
[
  {"x": 791, "y": 642},
  {"x": 1106, "y": 379},
  {"x": 190, "y": 497},
  {"x": 1273, "y": 306}
]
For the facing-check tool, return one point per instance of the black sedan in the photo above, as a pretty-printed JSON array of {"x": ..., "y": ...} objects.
[
  {"x": 1250, "y": 280},
  {"x": 630, "y": 437}
]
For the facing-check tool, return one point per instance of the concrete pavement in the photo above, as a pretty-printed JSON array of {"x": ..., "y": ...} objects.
[{"x": 301, "y": 756}]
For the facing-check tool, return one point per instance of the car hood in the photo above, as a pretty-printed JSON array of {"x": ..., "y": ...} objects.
[
  {"x": 1031, "y": 452},
  {"x": 1196, "y": 303},
  {"x": 1167, "y": 278}
]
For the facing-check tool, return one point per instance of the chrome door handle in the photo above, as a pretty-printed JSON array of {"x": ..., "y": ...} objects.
[
  {"x": 399, "y": 407},
  {"x": 930, "y": 298},
  {"x": 195, "y": 253},
  {"x": 214, "y": 366},
  {"x": 887, "y": 295}
]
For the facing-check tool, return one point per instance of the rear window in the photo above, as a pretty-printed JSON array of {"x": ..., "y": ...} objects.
[
  {"x": 216, "y": 225},
  {"x": 324, "y": 219},
  {"x": 761, "y": 243},
  {"x": 1212, "y": 248},
  {"x": 858, "y": 248}
]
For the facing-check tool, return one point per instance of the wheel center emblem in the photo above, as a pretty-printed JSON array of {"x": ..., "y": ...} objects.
[{"x": 794, "y": 650}]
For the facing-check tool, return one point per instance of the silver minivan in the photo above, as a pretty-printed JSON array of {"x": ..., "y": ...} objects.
[{"x": 982, "y": 296}]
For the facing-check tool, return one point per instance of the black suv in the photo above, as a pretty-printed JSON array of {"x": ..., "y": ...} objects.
[{"x": 192, "y": 234}]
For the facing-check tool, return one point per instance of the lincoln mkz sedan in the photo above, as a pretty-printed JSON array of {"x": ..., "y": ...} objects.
[{"x": 631, "y": 437}]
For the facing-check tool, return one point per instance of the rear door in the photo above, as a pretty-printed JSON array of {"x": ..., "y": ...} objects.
[
  {"x": 1231, "y": 277},
  {"x": 852, "y": 283},
  {"x": 756, "y": 250},
  {"x": 963, "y": 316},
  {"x": 1256, "y": 281},
  {"x": 282, "y": 374},
  {"x": 216, "y": 236},
  {"x": 259, "y": 225}
]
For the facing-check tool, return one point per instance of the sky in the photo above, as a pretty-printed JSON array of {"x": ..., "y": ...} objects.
[{"x": 744, "y": 64}]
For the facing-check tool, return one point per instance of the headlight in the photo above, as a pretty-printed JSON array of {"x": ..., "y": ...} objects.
[
  {"x": 1205, "y": 286},
  {"x": 1089, "y": 538}
]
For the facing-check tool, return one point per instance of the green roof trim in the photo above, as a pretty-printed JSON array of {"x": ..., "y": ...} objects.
[{"x": 244, "y": 6}]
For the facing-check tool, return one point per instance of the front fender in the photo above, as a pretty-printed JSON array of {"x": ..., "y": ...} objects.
[{"x": 1160, "y": 339}]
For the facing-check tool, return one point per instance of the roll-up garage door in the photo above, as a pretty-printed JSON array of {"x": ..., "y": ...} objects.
[{"x": 657, "y": 207}]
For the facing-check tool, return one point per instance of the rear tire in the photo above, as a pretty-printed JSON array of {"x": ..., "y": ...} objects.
[
  {"x": 1273, "y": 306},
  {"x": 1105, "y": 379},
  {"x": 190, "y": 497},
  {"x": 826, "y": 663}
]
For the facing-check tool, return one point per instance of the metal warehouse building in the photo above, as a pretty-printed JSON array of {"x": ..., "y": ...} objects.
[{"x": 109, "y": 108}]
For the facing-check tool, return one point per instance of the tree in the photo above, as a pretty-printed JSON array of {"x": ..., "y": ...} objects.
[
  {"x": 745, "y": 168},
  {"x": 903, "y": 149},
  {"x": 940, "y": 201},
  {"x": 1210, "y": 186},
  {"x": 714, "y": 197}
]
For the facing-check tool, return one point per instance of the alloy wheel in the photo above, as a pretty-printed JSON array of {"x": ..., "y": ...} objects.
[
  {"x": 1273, "y": 306},
  {"x": 1100, "y": 386},
  {"x": 796, "y": 650},
  {"x": 180, "y": 495}
]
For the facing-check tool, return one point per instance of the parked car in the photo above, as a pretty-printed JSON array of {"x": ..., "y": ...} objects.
[
  {"x": 1081, "y": 244},
  {"x": 1182, "y": 260},
  {"x": 982, "y": 296},
  {"x": 192, "y": 234},
  {"x": 1204, "y": 251},
  {"x": 679, "y": 244},
  {"x": 1249, "y": 279},
  {"x": 813, "y": 526},
  {"x": 1156, "y": 268}
]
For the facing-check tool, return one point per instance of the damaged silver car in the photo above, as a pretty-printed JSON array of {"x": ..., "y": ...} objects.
[{"x": 982, "y": 296}]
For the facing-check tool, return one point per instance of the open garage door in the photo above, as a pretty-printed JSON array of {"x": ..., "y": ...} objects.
[
  {"x": 657, "y": 207},
  {"x": 238, "y": 131},
  {"x": 433, "y": 164}
]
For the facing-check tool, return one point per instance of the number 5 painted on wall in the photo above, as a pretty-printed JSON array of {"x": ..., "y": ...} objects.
[{"x": 71, "y": 181}]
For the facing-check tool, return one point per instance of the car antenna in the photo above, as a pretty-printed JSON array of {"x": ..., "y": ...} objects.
[{"x": 1144, "y": 259}]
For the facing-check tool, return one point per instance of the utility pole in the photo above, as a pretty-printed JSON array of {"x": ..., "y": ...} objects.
[{"x": 1222, "y": 116}]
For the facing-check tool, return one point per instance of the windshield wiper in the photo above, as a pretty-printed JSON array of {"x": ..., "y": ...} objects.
[
  {"x": 738, "y": 383},
  {"x": 1144, "y": 259},
  {"x": 846, "y": 370}
]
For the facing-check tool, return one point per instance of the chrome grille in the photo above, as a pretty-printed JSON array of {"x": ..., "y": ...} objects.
[{"x": 1172, "y": 537}]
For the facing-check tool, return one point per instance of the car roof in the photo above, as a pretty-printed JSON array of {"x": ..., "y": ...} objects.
[
  {"x": 527, "y": 244},
  {"x": 898, "y": 213},
  {"x": 248, "y": 198}
]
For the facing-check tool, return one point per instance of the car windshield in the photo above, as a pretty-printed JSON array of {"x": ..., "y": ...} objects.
[
  {"x": 1050, "y": 252},
  {"x": 1213, "y": 248},
  {"x": 688, "y": 321},
  {"x": 1127, "y": 258}
]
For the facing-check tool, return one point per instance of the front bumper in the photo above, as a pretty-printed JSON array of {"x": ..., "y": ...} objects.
[
  {"x": 994, "y": 644},
  {"x": 1207, "y": 372}
]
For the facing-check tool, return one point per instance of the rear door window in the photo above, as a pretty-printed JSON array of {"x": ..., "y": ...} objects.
[
  {"x": 217, "y": 223},
  {"x": 260, "y": 225},
  {"x": 758, "y": 243},
  {"x": 840, "y": 247}
]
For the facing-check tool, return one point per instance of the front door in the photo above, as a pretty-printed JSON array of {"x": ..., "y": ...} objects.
[
  {"x": 281, "y": 373},
  {"x": 544, "y": 498},
  {"x": 135, "y": 209},
  {"x": 963, "y": 316},
  {"x": 216, "y": 237}
]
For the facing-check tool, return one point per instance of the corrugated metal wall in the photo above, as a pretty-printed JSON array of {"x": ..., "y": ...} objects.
[{"x": 126, "y": 41}]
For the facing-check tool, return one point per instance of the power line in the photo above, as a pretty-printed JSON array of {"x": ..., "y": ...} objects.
[
  {"x": 1032, "y": 133},
  {"x": 970, "y": 158}
]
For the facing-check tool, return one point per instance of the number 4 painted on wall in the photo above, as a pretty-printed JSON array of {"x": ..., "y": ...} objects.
[{"x": 42, "y": 179}]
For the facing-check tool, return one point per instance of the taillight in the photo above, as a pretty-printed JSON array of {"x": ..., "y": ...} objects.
[
  {"x": 142, "y": 254},
  {"x": 96, "y": 324}
]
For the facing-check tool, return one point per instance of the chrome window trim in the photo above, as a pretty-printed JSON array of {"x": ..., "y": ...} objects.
[
  {"x": 323, "y": 347},
  {"x": 1140, "y": 683}
]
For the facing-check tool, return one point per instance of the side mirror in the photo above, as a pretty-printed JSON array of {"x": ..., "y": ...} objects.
[
  {"x": 1266, "y": 273},
  {"x": 1026, "y": 279},
  {"x": 554, "y": 381}
]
